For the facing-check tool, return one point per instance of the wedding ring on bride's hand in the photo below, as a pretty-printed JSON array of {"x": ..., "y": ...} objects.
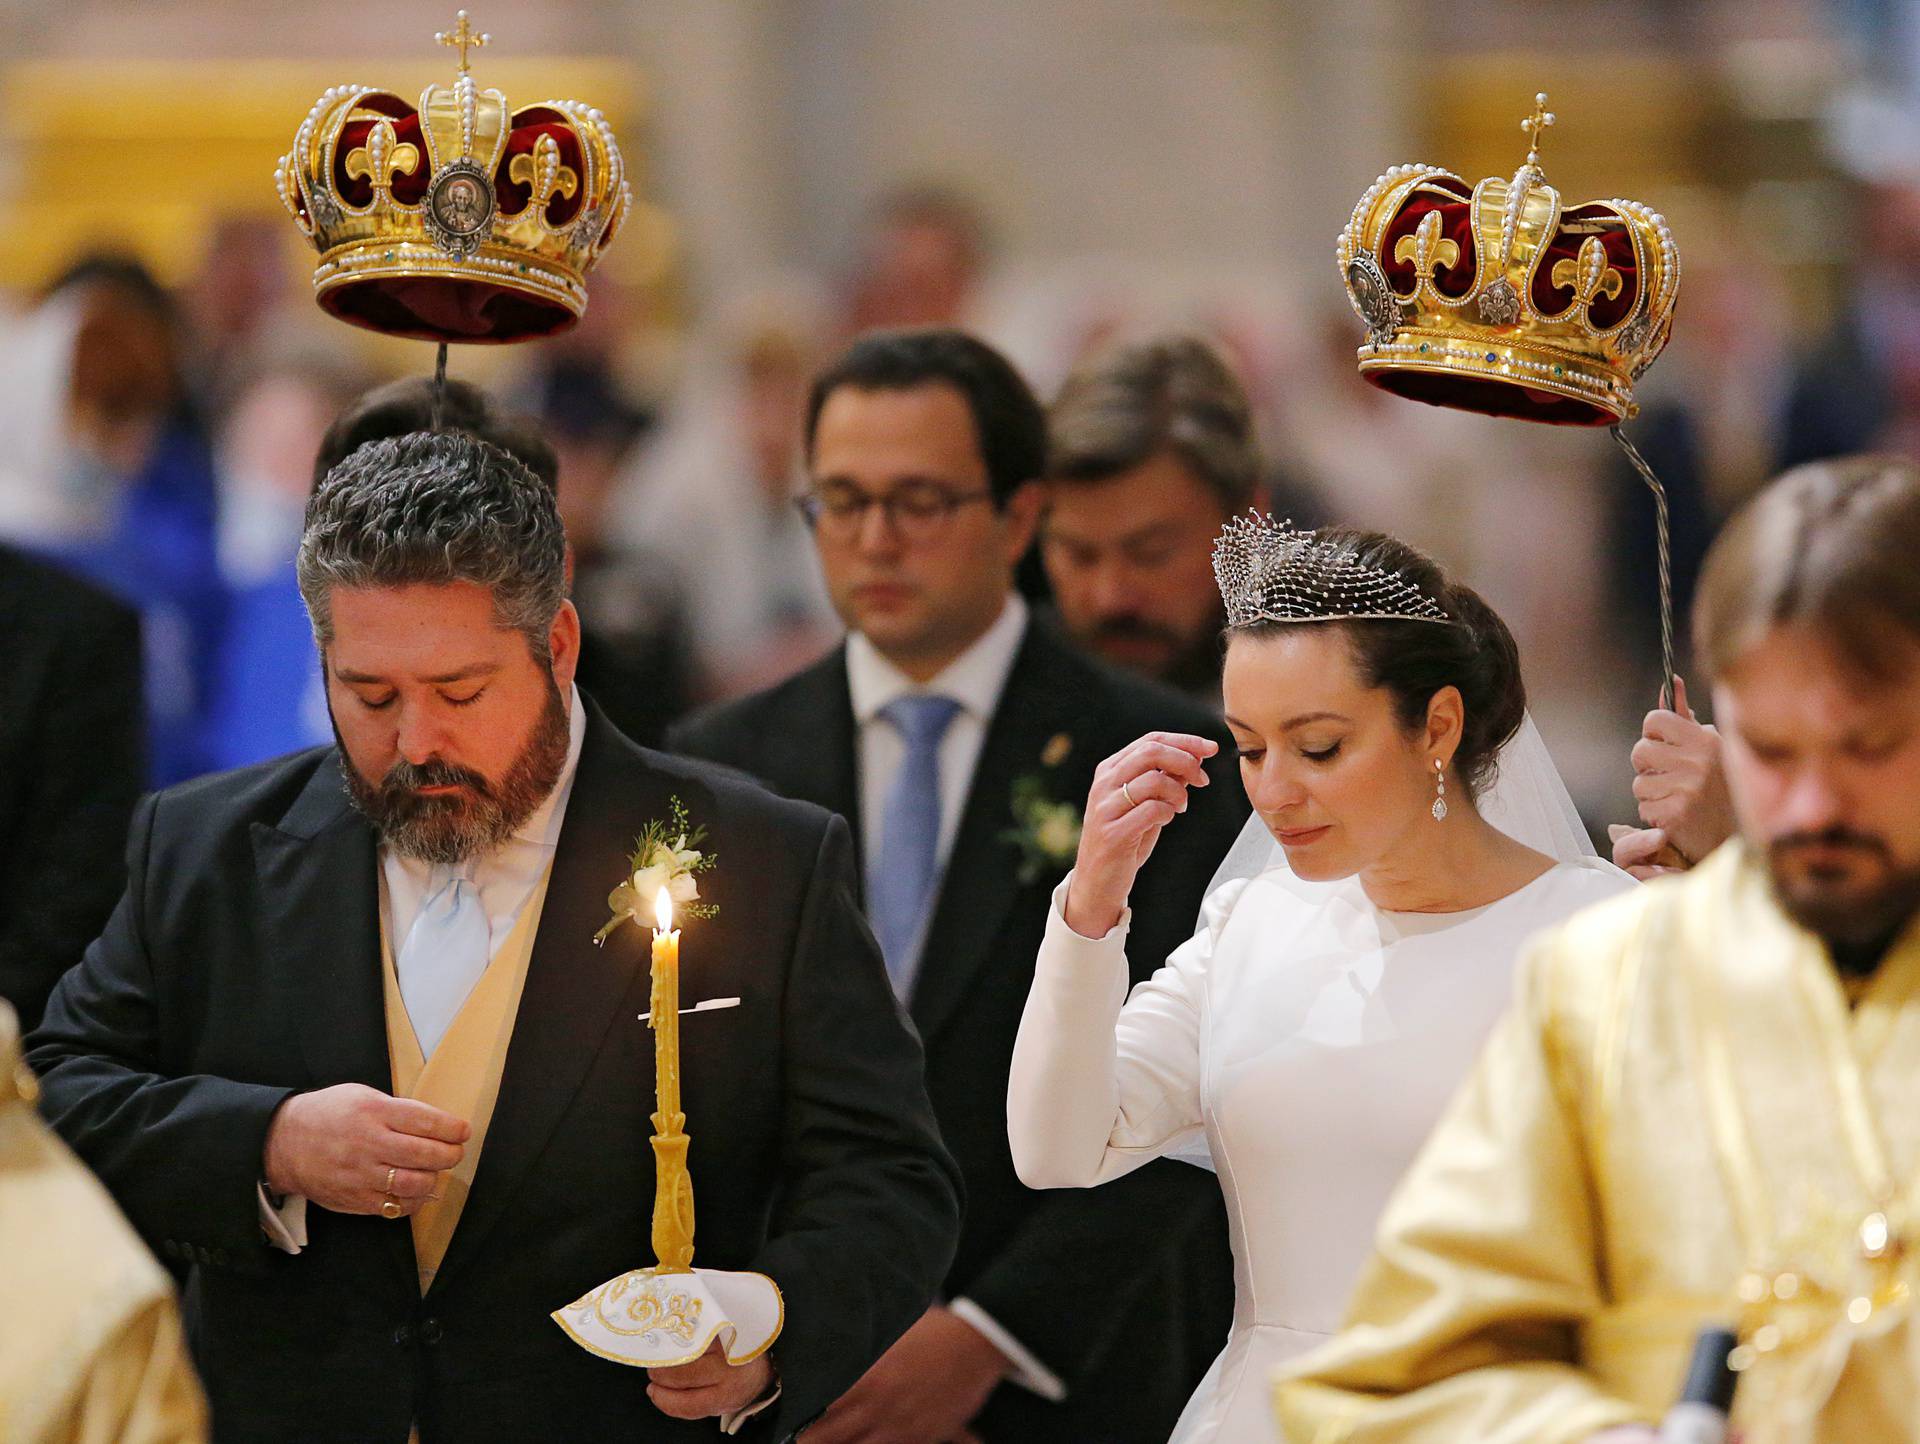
[
  {"x": 1127, "y": 793},
  {"x": 388, "y": 1190},
  {"x": 390, "y": 1207}
]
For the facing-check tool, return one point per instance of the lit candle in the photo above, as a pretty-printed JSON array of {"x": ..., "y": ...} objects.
[
  {"x": 665, "y": 1021},
  {"x": 673, "y": 1185}
]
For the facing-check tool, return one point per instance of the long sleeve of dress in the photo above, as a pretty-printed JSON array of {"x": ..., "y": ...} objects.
[
  {"x": 1467, "y": 1320},
  {"x": 1103, "y": 1082}
]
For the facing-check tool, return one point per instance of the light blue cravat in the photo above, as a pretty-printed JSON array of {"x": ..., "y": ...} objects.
[
  {"x": 446, "y": 951},
  {"x": 904, "y": 865}
]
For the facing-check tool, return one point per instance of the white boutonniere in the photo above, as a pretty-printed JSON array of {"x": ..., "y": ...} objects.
[
  {"x": 1046, "y": 829},
  {"x": 667, "y": 854}
]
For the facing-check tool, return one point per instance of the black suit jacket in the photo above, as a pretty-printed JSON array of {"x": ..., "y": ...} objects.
[
  {"x": 72, "y": 765},
  {"x": 243, "y": 964},
  {"x": 1080, "y": 1278}
]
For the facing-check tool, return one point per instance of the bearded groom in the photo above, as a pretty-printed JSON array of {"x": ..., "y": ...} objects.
[{"x": 348, "y": 1054}]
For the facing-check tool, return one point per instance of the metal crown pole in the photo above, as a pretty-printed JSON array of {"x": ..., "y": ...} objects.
[{"x": 1667, "y": 675}]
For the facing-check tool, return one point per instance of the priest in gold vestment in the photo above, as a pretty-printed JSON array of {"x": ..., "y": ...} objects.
[
  {"x": 1701, "y": 1107},
  {"x": 91, "y": 1346}
]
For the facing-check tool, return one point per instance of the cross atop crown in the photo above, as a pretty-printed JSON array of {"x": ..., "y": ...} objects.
[
  {"x": 1534, "y": 125},
  {"x": 464, "y": 37}
]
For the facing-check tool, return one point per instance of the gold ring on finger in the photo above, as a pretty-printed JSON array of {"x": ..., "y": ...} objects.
[
  {"x": 1127, "y": 792},
  {"x": 390, "y": 1207},
  {"x": 388, "y": 1190}
]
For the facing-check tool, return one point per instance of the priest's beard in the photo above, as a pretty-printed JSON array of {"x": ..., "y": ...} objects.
[
  {"x": 452, "y": 828},
  {"x": 1857, "y": 923}
]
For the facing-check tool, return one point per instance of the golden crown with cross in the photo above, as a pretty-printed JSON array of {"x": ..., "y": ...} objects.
[
  {"x": 1502, "y": 299},
  {"x": 456, "y": 219}
]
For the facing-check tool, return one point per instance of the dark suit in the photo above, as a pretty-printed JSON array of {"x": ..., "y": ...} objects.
[
  {"x": 1124, "y": 1291},
  {"x": 243, "y": 964},
  {"x": 72, "y": 765}
]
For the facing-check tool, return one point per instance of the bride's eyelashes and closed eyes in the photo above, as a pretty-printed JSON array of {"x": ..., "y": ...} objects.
[{"x": 1312, "y": 754}]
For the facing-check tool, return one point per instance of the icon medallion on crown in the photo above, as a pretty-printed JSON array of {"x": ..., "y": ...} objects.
[
  {"x": 460, "y": 208},
  {"x": 1503, "y": 299}
]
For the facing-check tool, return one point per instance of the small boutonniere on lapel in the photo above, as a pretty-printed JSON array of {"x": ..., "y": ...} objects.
[
  {"x": 1046, "y": 828},
  {"x": 667, "y": 854}
]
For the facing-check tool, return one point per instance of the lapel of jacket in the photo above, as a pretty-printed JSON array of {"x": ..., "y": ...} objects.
[
  {"x": 574, "y": 992},
  {"x": 320, "y": 901},
  {"x": 811, "y": 750},
  {"x": 982, "y": 875},
  {"x": 320, "y": 896}
]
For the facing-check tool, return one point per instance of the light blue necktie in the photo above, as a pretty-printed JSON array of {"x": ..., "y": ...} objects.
[
  {"x": 446, "y": 951},
  {"x": 904, "y": 865}
]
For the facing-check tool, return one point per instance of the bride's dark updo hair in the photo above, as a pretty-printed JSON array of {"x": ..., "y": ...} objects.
[{"x": 1413, "y": 660}]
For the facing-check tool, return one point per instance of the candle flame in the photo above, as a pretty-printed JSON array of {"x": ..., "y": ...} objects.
[{"x": 663, "y": 910}]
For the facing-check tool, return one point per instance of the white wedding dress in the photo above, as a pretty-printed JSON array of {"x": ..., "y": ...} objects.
[{"x": 1311, "y": 1039}]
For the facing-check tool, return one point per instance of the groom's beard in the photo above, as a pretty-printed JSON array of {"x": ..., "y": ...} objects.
[{"x": 451, "y": 828}]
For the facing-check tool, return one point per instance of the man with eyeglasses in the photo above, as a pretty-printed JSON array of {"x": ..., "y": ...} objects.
[{"x": 958, "y": 735}]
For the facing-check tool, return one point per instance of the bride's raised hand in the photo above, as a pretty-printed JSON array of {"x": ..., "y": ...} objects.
[{"x": 1136, "y": 792}]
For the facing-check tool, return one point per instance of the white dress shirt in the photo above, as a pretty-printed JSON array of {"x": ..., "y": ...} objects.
[
  {"x": 505, "y": 879},
  {"x": 975, "y": 679}
]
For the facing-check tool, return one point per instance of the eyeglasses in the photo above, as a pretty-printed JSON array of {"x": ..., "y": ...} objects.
[{"x": 917, "y": 511}]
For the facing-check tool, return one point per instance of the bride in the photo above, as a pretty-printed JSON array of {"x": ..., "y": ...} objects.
[{"x": 1346, "y": 971}]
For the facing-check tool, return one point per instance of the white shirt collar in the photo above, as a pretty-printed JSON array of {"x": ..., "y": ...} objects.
[{"x": 974, "y": 679}]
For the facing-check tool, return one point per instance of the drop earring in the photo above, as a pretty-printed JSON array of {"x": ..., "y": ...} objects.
[{"x": 1440, "y": 786}]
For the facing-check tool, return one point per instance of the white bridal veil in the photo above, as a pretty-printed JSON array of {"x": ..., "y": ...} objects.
[{"x": 1527, "y": 801}]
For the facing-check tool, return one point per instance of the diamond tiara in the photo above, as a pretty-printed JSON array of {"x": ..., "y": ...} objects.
[{"x": 1269, "y": 571}]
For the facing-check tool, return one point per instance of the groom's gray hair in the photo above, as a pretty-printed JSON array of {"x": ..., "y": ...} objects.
[{"x": 436, "y": 508}]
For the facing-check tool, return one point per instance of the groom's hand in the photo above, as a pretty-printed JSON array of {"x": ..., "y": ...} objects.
[
  {"x": 926, "y": 1389},
  {"x": 709, "y": 1386},
  {"x": 336, "y": 1146}
]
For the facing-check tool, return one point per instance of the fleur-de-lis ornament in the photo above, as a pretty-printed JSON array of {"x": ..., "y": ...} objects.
[
  {"x": 1427, "y": 249},
  {"x": 383, "y": 156},
  {"x": 543, "y": 172},
  {"x": 1588, "y": 276}
]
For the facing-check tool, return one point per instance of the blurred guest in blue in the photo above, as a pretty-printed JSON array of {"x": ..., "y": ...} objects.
[
  {"x": 267, "y": 697},
  {"x": 123, "y": 493}
]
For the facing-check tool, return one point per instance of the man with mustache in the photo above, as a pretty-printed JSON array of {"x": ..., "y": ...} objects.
[
  {"x": 1150, "y": 448},
  {"x": 348, "y": 1053},
  {"x": 958, "y": 735},
  {"x": 1700, "y": 1109}
]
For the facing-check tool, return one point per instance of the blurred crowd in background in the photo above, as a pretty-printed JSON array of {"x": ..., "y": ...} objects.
[{"x": 159, "y": 421}]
